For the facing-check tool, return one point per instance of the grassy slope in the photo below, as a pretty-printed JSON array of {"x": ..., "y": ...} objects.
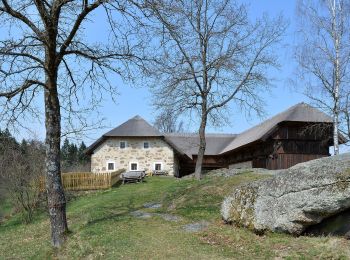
[
  {"x": 5, "y": 207},
  {"x": 102, "y": 227}
]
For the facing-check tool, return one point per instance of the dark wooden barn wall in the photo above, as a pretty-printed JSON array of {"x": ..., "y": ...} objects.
[
  {"x": 284, "y": 161},
  {"x": 187, "y": 166},
  {"x": 289, "y": 144}
]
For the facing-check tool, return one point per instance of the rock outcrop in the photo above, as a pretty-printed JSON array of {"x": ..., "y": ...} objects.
[
  {"x": 230, "y": 172},
  {"x": 294, "y": 199}
]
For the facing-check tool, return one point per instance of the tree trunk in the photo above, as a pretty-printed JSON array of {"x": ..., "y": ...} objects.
[
  {"x": 202, "y": 145},
  {"x": 336, "y": 81},
  {"x": 336, "y": 102},
  {"x": 335, "y": 133},
  {"x": 55, "y": 193}
]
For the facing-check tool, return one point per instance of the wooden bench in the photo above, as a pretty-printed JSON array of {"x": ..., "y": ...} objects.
[
  {"x": 159, "y": 173},
  {"x": 133, "y": 176}
]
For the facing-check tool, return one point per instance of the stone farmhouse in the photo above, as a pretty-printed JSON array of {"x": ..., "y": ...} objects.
[{"x": 299, "y": 134}]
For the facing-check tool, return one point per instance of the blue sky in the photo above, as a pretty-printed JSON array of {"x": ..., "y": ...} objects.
[
  {"x": 137, "y": 100},
  {"x": 133, "y": 100}
]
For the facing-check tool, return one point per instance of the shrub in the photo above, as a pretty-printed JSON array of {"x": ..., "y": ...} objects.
[{"x": 20, "y": 171}]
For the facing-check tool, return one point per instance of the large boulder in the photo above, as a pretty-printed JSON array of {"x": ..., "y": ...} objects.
[{"x": 294, "y": 199}]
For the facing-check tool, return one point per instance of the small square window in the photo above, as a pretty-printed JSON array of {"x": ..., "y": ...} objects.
[
  {"x": 146, "y": 145},
  {"x": 110, "y": 166},
  {"x": 122, "y": 144},
  {"x": 133, "y": 166},
  {"x": 158, "y": 166}
]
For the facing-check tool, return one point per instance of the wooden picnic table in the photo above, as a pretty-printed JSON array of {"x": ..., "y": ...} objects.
[
  {"x": 133, "y": 176},
  {"x": 159, "y": 173}
]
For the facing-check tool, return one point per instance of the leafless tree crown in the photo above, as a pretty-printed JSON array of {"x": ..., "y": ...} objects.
[
  {"x": 33, "y": 30},
  {"x": 46, "y": 51},
  {"x": 323, "y": 55},
  {"x": 208, "y": 53},
  {"x": 167, "y": 121}
]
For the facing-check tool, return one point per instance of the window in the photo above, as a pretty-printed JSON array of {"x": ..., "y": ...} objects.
[
  {"x": 145, "y": 145},
  {"x": 110, "y": 166},
  {"x": 134, "y": 166},
  {"x": 158, "y": 166},
  {"x": 122, "y": 144}
]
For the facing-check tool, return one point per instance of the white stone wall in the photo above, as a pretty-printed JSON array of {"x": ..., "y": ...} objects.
[{"x": 110, "y": 151}]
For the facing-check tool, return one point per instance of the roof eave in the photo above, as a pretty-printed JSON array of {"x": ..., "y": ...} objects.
[
  {"x": 92, "y": 147},
  {"x": 176, "y": 149}
]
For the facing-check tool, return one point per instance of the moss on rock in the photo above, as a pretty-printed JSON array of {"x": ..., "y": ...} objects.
[
  {"x": 241, "y": 206},
  {"x": 294, "y": 199}
]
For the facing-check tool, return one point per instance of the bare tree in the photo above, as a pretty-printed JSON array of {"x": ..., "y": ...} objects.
[
  {"x": 345, "y": 114},
  {"x": 167, "y": 121},
  {"x": 21, "y": 172},
  {"x": 323, "y": 55},
  {"x": 209, "y": 53},
  {"x": 45, "y": 53}
]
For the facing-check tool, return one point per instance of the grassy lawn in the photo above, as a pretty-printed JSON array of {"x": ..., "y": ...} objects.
[
  {"x": 103, "y": 228},
  {"x": 5, "y": 207}
]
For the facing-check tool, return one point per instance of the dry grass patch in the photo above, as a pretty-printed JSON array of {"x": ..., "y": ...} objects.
[{"x": 103, "y": 228}]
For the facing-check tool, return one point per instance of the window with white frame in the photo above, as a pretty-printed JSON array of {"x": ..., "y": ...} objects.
[
  {"x": 158, "y": 166},
  {"x": 110, "y": 166},
  {"x": 145, "y": 145},
  {"x": 122, "y": 144},
  {"x": 134, "y": 166}
]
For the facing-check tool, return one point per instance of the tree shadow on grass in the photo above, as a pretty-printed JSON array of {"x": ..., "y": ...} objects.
[
  {"x": 120, "y": 183},
  {"x": 123, "y": 210}
]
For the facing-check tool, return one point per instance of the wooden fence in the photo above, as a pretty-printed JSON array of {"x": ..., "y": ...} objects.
[{"x": 87, "y": 180}]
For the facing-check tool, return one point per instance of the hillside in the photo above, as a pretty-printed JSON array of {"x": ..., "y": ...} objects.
[{"x": 128, "y": 222}]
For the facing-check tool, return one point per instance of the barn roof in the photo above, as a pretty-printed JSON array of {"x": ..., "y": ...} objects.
[
  {"x": 299, "y": 113},
  {"x": 188, "y": 143}
]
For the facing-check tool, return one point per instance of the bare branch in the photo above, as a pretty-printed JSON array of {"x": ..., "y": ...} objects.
[
  {"x": 86, "y": 10},
  {"x": 323, "y": 55},
  {"x": 7, "y": 9},
  {"x": 27, "y": 84},
  {"x": 208, "y": 55}
]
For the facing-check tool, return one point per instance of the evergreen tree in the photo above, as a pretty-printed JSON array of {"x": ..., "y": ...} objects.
[
  {"x": 65, "y": 150},
  {"x": 7, "y": 141},
  {"x": 72, "y": 154},
  {"x": 24, "y": 146},
  {"x": 82, "y": 157}
]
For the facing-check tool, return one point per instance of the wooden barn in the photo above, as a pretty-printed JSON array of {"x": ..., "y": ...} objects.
[{"x": 299, "y": 134}]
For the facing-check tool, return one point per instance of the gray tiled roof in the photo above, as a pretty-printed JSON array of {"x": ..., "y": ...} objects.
[
  {"x": 188, "y": 143},
  {"x": 299, "y": 113},
  {"x": 136, "y": 126}
]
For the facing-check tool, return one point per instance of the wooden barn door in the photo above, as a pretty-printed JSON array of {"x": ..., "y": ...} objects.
[{"x": 259, "y": 162}]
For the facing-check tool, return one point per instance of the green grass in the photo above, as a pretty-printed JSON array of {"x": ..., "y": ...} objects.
[
  {"x": 5, "y": 207},
  {"x": 102, "y": 227}
]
